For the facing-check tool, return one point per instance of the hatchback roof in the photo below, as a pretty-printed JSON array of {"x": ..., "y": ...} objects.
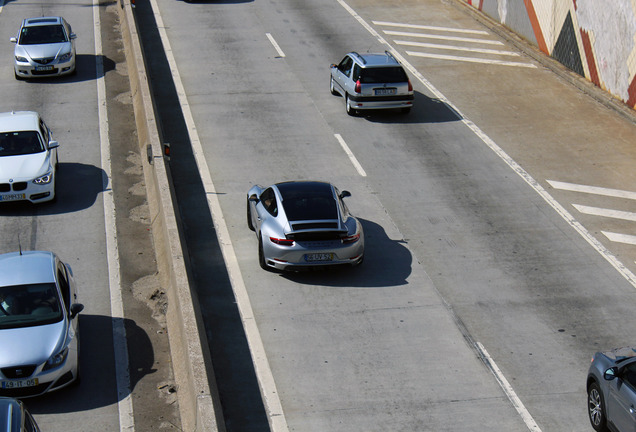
[
  {"x": 19, "y": 121},
  {"x": 42, "y": 21}
]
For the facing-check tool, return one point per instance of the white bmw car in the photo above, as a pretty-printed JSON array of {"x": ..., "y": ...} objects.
[{"x": 28, "y": 158}]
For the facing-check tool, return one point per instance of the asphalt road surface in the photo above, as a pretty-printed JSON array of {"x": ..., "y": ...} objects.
[
  {"x": 101, "y": 199},
  {"x": 497, "y": 217}
]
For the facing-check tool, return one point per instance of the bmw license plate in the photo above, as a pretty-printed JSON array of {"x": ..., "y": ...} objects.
[
  {"x": 12, "y": 197},
  {"x": 318, "y": 257},
  {"x": 43, "y": 68},
  {"x": 32, "y": 382},
  {"x": 385, "y": 91}
]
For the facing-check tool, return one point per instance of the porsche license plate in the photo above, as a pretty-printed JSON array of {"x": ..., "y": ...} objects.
[
  {"x": 32, "y": 382},
  {"x": 12, "y": 197},
  {"x": 319, "y": 257}
]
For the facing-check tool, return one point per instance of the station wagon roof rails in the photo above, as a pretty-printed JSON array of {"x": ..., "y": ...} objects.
[
  {"x": 362, "y": 59},
  {"x": 390, "y": 55}
]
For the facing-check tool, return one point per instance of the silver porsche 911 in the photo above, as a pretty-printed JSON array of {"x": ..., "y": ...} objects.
[{"x": 303, "y": 224}]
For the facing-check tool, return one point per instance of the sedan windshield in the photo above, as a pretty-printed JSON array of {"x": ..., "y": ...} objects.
[
  {"x": 29, "y": 305},
  {"x": 43, "y": 34},
  {"x": 20, "y": 143}
]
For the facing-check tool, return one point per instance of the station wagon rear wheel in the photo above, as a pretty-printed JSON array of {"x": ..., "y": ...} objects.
[
  {"x": 350, "y": 111},
  {"x": 596, "y": 408}
]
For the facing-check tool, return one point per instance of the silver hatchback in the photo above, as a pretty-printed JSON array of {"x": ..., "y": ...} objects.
[{"x": 371, "y": 81}]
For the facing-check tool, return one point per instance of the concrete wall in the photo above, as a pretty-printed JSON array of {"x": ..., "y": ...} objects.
[
  {"x": 199, "y": 405},
  {"x": 594, "y": 38}
]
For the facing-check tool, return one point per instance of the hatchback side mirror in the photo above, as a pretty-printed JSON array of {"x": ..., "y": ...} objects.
[
  {"x": 13, "y": 40},
  {"x": 53, "y": 144},
  {"x": 345, "y": 193}
]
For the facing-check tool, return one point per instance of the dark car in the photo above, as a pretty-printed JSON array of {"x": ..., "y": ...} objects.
[{"x": 14, "y": 417}]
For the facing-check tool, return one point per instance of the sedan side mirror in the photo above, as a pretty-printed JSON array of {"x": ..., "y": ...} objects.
[
  {"x": 75, "y": 309},
  {"x": 345, "y": 194},
  {"x": 610, "y": 373},
  {"x": 253, "y": 198},
  {"x": 13, "y": 39},
  {"x": 53, "y": 144},
  {"x": 73, "y": 36},
  {"x": 333, "y": 65}
]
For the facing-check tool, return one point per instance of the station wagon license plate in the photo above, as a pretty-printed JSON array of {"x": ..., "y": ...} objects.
[
  {"x": 32, "y": 382},
  {"x": 318, "y": 257},
  {"x": 12, "y": 197},
  {"x": 43, "y": 68},
  {"x": 385, "y": 91}
]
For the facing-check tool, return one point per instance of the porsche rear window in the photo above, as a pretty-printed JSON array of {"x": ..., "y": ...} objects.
[{"x": 311, "y": 201}]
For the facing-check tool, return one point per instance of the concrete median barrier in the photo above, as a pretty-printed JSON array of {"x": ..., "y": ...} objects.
[{"x": 199, "y": 405}]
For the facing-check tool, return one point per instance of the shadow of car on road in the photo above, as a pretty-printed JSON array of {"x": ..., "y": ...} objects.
[
  {"x": 97, "y": 389},
  {"x": 387, "y": 263},
  {"x": 78, "y": 186},
  {"x": 85, "y": 71},
  {"x": 425, "y": 110}
]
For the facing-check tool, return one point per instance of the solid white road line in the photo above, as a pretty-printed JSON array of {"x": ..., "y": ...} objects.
[
  {"x": 457, "y": 48},
  {"x": 597, "y": 211},
  {"x": 470, "y": 59},
  {"x": 595, "y": 190},
  {"x": 271, "y": 401},
  {"x": 527, "y": 418},
  {"x": 507, "y": 388},
  {"x": 273, "y": 41},
  {"x": 122, "y": 373},
  {"x": 620, "y": 238},
  {"x": 352, "y": 157},
  {"x": 440, "y": 37},
  {"x": 424, "y": 27}
]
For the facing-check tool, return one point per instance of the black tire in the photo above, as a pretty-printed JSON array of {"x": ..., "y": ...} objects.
[
  {"x": 596, "y": 408},
  {"x": 261, "y": 255},
  {"x": 350, "y": 111},
  {"x": 331, "y": 87},
  {"x": 249, "y": 217}
]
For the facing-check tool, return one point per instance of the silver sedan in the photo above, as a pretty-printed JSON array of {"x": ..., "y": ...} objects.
[
  {"x": 39, "y": 328},
  {"x": 45, "y": 46},
  {"x": 303, "y": 224}
]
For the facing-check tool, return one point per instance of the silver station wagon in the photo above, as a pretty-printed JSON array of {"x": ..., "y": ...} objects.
[{"x": 371, "y": 81}]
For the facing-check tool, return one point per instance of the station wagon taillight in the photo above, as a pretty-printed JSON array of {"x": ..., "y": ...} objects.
[
  {"x": 358, "y": 88},
  {"x": 410, "y": 86}
]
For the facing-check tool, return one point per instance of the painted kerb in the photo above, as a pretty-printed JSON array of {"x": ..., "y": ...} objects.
[{"x": 199, "y": 404}]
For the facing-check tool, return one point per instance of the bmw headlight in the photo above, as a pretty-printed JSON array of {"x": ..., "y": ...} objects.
[
  {"x": 21, "y": 59},
  {"x": 65, "y": 57},
  {"x": 45, "y": 179},
  {"x": 56, "y": 360}
]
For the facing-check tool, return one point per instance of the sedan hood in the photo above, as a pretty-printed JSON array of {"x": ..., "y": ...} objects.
[
  {"x": 23, "y": 167},
  {"x": 42, "y": 51},
  {"x": 31, "y": 345}
]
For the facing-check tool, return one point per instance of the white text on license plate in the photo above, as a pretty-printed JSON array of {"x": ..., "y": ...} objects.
[
  {"x": 385, "y": 91},
  {"x": 11, "y": 197},
  {"x": 44, "y": 68},
  {"x": 319, "y": 257},
  {"x": 32, "y": 382}
]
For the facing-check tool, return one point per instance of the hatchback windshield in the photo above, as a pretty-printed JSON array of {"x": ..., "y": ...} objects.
[
  {"x": 20, "y": 143},
  {"x": 29, "y": 305},
  {"x": 42, "y": 34},
  {"x": 383, "y": 75}
]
